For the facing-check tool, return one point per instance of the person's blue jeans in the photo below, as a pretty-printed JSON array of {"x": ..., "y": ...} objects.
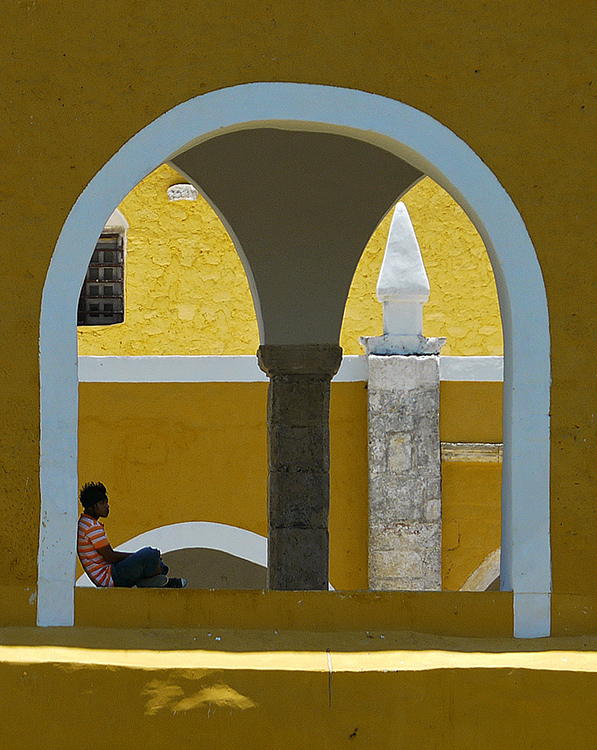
[{"x": 145, "y": 563}]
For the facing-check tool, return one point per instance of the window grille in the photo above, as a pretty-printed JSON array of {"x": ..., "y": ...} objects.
[{"x": 102, "y": 296}]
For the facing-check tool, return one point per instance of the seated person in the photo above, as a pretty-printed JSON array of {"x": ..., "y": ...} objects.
[{"x": 105, "y": 566}]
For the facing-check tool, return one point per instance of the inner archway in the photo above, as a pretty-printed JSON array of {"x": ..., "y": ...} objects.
[{"x": 429, "y": 148}]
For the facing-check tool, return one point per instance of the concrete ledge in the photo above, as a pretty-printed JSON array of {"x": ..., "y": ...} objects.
[
  {"x": 477, "y": 614},
  {"x": 574, "y": 614},
  {"x": 17, "y": 605}
]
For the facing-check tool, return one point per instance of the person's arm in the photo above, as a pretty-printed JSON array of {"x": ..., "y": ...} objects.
[{"x": 110, "y": 555}]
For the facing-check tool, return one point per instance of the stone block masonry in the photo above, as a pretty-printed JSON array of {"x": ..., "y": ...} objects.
[
  {"x": 298, "y": 463},
  {"x": 404, "y": 473}
]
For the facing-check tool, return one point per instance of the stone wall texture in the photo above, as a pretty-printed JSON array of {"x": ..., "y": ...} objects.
[{"x": 404, "y": 473}]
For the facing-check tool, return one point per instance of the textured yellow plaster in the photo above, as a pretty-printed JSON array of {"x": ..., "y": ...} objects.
[
  {"x": 197, "y": 452},
  {"x": 186, "y": 289},
  {"x": 187, "y": 292},
  {"x": 471, "y": 518},
  {"x": 520, "y": 91}
]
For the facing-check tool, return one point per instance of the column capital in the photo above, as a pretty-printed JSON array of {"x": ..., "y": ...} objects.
[{"x": 320, "y": 361}]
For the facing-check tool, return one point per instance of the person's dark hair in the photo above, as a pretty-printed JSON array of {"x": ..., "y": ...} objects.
[{"x": 92, "y": 493}]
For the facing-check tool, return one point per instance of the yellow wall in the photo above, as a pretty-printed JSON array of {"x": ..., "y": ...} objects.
[
  {"x": 295, "y": 614},
  {"x": 516, "y": 84},
  {"x": 187, "y": 293},
  {"x": 186, "y": 290},
  {"x": 471, "y": 492},
  {"x": 174, "y": 452},
  {"x": 293, "y": 690}
]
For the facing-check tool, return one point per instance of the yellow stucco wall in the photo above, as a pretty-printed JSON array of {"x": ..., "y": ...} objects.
[
  {"x": 187, "y": 293},
  {"x": 175, "y": 452},
  {"x": 516, "y": 84},
  {"x": 470, "y": 412},
  {"x": 180, "y": 688},
  {"x": 186, "y": 290}
]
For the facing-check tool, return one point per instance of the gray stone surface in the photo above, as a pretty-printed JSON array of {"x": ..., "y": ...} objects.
[
  {"x": 301, "y": 557},
  {"x": 404, "y": 473},
  {"x": 298, "y": 462}
]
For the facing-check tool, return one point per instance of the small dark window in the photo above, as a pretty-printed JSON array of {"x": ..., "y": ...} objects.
[{"x": 103, "y": 304}]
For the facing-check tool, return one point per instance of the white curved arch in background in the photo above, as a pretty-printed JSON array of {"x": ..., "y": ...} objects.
[
  {"x": 427, "y": 145},
  {"x": 199, "y": 535},
  {"x": 116, "y": 222},
  {"x": 233, "y": 540},
  {"x": 484, "y": 574}
]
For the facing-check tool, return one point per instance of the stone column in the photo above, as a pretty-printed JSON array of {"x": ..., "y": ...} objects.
[
  {"x": 404, "y": 473},
  {"x": 404, "y": 448},
  {"x": 299, "y": 461}
]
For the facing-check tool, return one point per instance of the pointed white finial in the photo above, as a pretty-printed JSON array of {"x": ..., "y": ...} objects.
[
  {"x": 403, "y": 289},
  {"x": 403, "y": 286}
]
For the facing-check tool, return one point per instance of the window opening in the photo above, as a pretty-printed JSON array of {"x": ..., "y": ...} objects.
[{"x": 101, "y": 302}]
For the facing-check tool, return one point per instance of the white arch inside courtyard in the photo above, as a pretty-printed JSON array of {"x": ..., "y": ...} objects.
[
  {"x": 427, "y": 145},
  {"x": 247, "y": 545}
]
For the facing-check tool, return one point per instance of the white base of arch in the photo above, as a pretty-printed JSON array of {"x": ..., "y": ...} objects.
[
  {"x": 198, "y": 535},
  {"x": 427, "y": 145}
]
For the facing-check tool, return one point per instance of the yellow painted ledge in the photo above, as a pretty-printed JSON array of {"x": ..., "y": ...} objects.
[
  {"x": 189, "y": 688},
  {"x": 573, "y": 614},
  {"x": 483, "y": 614},
  {"x": 236, "y": 649},
  {"x": 18, "y": 605}
]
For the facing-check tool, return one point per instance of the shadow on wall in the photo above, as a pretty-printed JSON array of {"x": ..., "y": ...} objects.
[
  {"x": 209, "y": 555},
  {"x": 213, "y": 569}
]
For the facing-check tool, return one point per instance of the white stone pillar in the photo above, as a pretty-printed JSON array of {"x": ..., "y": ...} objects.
[{"x": 404, "y": 447}]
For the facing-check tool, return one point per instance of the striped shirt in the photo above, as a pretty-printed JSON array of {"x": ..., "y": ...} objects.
[{"x": 91, "y": 537}]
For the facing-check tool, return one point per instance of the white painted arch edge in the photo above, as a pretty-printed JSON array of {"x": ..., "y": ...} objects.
[{"x": 397, "y": 127}]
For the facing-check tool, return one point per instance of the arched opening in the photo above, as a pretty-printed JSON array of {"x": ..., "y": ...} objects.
[
  {"x": 430, "y": 148},
  {"x": 414, "y": 543}
]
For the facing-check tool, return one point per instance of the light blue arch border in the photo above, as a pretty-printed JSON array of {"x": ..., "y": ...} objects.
[{"x": 429, "y": 146}]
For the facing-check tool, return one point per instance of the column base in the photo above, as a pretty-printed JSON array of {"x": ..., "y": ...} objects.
[{"x": 298, "y": 559}]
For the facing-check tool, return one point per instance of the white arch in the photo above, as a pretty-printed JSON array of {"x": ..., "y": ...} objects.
[
  {"x": 435, "y": 150},
  {"x": 116, "y": 222},
  {"x": 485, "y": 574},
  {"x": 199, "y": 535}
]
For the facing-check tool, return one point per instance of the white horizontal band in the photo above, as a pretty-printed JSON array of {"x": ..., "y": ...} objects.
[{"x": 244, "y": 369}]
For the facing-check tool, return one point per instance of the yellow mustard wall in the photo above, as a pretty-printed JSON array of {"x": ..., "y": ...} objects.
[
  {"x": 471, "y": 492},
  {"x": 516, "y": 84},
  {"x": 187, "y": 293},
  {"x": 186, "y": 290},
  {"x": 175, "y": 452},
  {"x": 277, "y": 690}
]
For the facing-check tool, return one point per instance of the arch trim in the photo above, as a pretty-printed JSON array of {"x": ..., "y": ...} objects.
[{"x": 425, "y": 143}]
